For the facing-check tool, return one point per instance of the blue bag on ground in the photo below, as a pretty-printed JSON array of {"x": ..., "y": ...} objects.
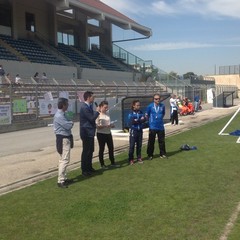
[{"x": 186, "y": 147}]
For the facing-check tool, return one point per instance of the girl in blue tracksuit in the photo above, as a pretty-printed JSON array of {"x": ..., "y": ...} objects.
[
  {"x": 155, "y": 114},
  {"x": 136, "y": 119}
]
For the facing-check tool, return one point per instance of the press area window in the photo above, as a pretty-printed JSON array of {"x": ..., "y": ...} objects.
[
  {"x": 30, "y": 22},
  {"x": 67, "y": 39},
  {"x": 5, "y": 16}
]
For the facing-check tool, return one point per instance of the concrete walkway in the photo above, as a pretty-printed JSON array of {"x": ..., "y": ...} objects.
[{"x": 29, "y": 156}]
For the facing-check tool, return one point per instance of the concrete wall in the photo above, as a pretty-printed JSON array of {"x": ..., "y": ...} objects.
[
  {"x": 43, "y": 18},
  {"x": 27, "y": 69},
  {"x": 233, "y": 79},
  {"x": 108, "y": 76}
]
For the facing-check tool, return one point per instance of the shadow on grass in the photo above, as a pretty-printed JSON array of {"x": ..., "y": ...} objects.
[
  {"x": 123, "y": 163},
  {"x": 169, "y": 154},
  {"x": 172, "y": 153},
  {"x": 98, "y": 172}
]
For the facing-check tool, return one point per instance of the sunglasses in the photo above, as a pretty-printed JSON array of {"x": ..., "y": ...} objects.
[{"x": 156, "y": 98}]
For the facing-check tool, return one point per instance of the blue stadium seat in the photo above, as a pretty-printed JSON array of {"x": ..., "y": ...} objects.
[
  {"x": 75, "y": 57},
  {"x": 31, "y": 50}
]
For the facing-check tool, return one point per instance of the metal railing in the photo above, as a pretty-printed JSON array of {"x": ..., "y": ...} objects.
[
  {"x": 232, "y": 69},
  {"x": 33, "y": 101}
]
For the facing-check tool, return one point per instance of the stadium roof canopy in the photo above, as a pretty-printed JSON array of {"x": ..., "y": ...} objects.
[{"x": 100, "y": 11}]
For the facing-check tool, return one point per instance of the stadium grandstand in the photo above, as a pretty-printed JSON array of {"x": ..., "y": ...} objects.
[{"x": 53, "y": 37}]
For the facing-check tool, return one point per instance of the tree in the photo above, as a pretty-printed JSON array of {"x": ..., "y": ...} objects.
[
  {"x": 173, "y": 74},
  {"x": 189, "y": 75}
]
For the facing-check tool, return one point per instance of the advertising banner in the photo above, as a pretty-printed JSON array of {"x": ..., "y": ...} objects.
[
  {"x": 5, "y": 114},
  {"x": 19, "y": 106},
  {"x": 49, "y": 107}
]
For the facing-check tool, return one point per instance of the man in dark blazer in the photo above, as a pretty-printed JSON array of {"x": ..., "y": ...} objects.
[{"x": 87, "y": 132}]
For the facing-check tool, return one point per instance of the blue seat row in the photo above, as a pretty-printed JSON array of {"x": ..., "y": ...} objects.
[
  {"x": 31, "y": 50},
  {"x": 102, "y": 60},
  {"x": 75, "y": 57},
  {"x": 5, "y": 54}
]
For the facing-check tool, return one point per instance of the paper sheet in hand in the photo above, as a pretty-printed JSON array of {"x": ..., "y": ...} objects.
[{"x": 112, "y": 122}]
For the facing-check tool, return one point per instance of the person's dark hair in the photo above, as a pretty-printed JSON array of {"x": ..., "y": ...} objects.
[
  {"x": 134, "y": 102},
  {"x": 62, "y": 102},
  {"x": 103, "y": 103},
  {"x": 86, "y": 95},
  {"x": 36, "y": 74},
  {"x": 156, "y": 94}
]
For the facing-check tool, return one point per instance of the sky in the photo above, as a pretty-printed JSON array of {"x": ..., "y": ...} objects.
[{"x": 187, "y": 35}]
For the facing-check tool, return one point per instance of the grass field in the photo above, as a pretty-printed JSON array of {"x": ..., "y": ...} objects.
[{"x": 190, "y": 195}]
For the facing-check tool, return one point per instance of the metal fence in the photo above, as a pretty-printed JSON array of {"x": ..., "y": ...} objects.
[
  {"x": 232, "y": 69},
  {"x": 33, "y": 101}
]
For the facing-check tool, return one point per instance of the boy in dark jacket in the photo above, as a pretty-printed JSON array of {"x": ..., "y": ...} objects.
[{"x": 136, "y": 119}]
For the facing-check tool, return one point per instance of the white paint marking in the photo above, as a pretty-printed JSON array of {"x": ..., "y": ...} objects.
[
  {"x": 234, "y": 115},
  {"x": 229, "y": 226}
]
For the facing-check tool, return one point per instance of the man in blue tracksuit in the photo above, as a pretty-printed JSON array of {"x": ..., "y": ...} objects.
[{"x": 155, "y": 113}]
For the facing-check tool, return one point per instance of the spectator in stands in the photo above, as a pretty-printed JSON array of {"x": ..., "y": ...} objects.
[
  {"x": 174, "y": 109},
  {"x": 155, "y": 113},
  {"x": 196, "y": 102},
  {"x": 136, "y": 119},
  {"x": 2, "y": 73},
  {"x": 18, "y": 80},
  {"x": 9, "y": 79},
  {"x": 87, "y": 132},
  {"x": 104, "y": 135},
  {"x": 64, "y": 141},
  {"x": 44, "y": 77},
  {"x": 74, "y": 76},
  {"x": 36, "y": 77},
  {"x": 8, "y": 76}
]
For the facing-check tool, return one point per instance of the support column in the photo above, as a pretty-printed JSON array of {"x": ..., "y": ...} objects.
[
  {"x": 106, "y": 38},
  {"x": 52, "y": 24},
  {"x": 81, "y": 33},
  {"x": 14, "y": 19}
]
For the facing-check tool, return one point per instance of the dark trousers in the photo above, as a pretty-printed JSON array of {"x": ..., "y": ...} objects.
[
  {"x": 135, "y": 138},
  {"x": 151, "y": 141},
  {"x": 104, "y": 139},
  {"x": 174, "y": 117},
  {"x": 87, "y": 153}
]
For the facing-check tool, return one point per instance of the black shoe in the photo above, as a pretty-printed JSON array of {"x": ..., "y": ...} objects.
[
  {"x": 93, "y": 170},
  {"x": 86, "y": 174},
  {"x": 62, "y": 185},
  {"x": 104, "y": 167},
  {"x": 68, "y": 181}
]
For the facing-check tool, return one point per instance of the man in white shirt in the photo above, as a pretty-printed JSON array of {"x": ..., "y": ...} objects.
[
  {"x": 174, "y": 110},
  {"x": 18, "y": 80}
]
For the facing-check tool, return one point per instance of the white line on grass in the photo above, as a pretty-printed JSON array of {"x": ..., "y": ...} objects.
[
  {"x": 220, "y": 133},
  {"x": 231, "y": 222}
]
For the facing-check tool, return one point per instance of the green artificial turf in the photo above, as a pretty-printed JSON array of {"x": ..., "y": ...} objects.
[{"x": 190, "y": 195}]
